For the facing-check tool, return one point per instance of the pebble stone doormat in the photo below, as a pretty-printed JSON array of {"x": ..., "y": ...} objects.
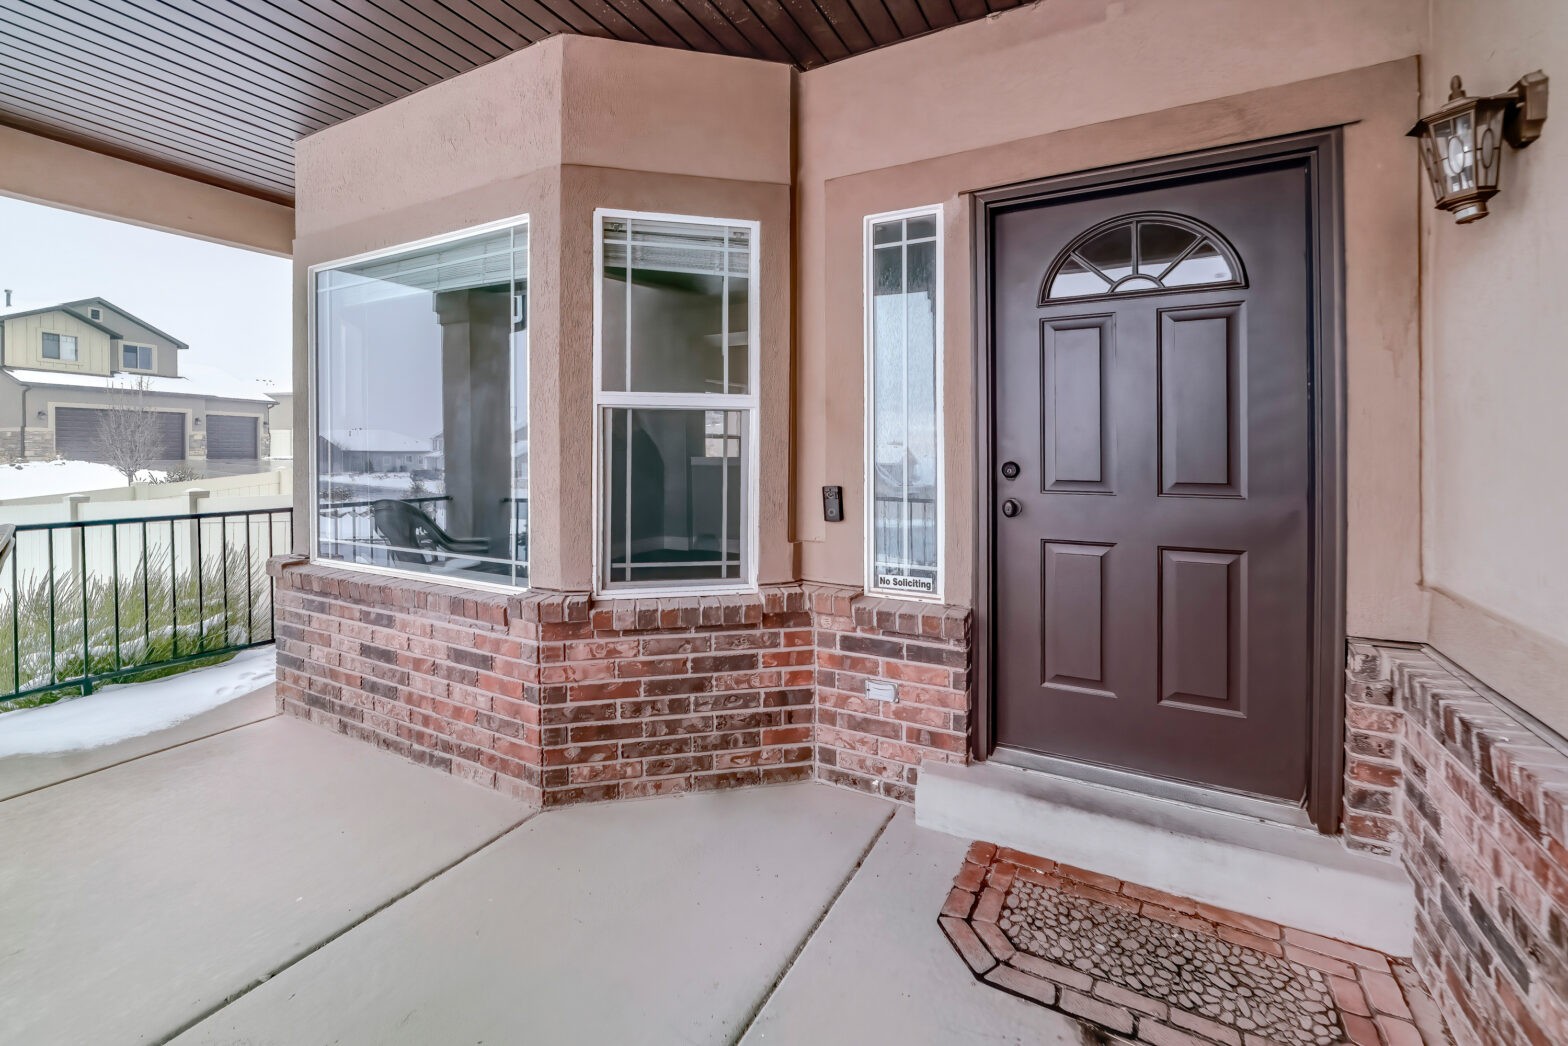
[{"x": 1159, "y": 969}]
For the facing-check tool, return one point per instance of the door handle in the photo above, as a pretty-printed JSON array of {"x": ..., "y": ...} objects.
[{"x": 1011, "y": 508}]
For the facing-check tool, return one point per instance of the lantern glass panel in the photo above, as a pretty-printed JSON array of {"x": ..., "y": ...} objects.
[
  {"x": 1453, "y": 141},
  {"x": 1489, "y": 144}
]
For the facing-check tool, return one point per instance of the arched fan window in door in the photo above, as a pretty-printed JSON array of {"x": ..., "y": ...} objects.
[{"x": 1148, "y": 253}]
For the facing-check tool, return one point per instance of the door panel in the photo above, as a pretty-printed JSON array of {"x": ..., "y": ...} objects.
[
  {"x": 1203, "y": 613},
  {"x": 1075, "y": 434},
  {"x": 1202, "y": 401},
  {"x": 1153, "y": 592}
]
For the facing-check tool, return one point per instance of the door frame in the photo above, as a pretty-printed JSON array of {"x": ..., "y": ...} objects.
[{"x": 1326, "y": 700}]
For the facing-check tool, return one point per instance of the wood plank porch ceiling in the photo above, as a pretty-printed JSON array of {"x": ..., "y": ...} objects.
[{"x": 219, "y": 90}]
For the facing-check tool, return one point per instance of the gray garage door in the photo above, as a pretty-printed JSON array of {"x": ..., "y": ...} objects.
[
  {"x": 78, "y": 434},
  {"x": 229, "y": 437}
]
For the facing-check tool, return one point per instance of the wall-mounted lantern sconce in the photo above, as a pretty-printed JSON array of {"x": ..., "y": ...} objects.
[
  {"x": 43, "y": 415},
  {"x": 196, "y": 424},
  {"x": 1462, "y": 143}
]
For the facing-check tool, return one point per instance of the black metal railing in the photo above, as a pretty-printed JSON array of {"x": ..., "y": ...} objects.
[{"x": 95, "y": 601}]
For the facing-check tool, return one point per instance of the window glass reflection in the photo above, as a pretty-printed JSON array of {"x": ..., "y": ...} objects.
[{"x": 422, "y": 410}]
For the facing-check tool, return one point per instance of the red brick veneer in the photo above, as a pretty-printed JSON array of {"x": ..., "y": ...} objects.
[
  {"x": 651, "y": 697},
  {"x": 562, "y": 698},
  {"x": 1478, "y": 801},
  {"x": 444, "y": 676},
  {"x": 872, "y": 745}
]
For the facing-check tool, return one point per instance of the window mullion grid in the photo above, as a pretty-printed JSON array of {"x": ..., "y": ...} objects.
[
  {"x": 724, "y": 493},
  {"x": 627, "y": 562},
  {"x": 724, "y": 417},
  {"x": 511, "y": 401},
  {"x": 742, "y": 407},
  {"x": 724, "y": 312},
  {"x": 678, "y": 400}
]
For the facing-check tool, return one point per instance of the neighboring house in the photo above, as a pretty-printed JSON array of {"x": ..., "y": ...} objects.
[
  {"x": 363, "y": 450},
  {"x": 280, "y": 421},
  {"x": 63, "y": 366},
  {"x": 436, "y": 459}
]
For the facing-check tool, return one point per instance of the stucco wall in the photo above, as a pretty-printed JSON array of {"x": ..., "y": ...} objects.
[
  {"x": 553, "y": 132},
  {"x": 1077, "y": 84},
  {"x": 49, "y": 172},
  {"x": 1495, "y": 443}
]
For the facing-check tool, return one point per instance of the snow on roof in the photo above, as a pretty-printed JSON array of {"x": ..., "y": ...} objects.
[
  {"x": 377, "y": 440},
  {"x": 217, "y": 386}
]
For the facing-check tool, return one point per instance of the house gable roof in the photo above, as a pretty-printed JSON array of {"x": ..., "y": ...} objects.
[
  {"x": 69, "y": 309},
  {"x": 107, "y": 304}
]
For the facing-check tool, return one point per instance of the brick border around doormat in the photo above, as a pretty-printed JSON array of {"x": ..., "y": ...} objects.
[{"x": 1378, "y": 999}]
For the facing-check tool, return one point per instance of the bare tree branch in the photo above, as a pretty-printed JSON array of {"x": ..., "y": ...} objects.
[{"x": 128, "y": 435}]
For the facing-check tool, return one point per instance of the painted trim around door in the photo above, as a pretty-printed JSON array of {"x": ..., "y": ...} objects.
[{"x": 1321, "y": 151}]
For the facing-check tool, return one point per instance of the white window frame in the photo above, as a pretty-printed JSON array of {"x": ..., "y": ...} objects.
[
  {"x": 312, "y": 419},
  {"x": 869, "y": 354},
  {"x": 151, "y": 359},
  {"x": 749, "y": 402}
]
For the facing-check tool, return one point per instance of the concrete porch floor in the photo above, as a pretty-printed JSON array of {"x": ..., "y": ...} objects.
[{"x": 269, "y": 882}]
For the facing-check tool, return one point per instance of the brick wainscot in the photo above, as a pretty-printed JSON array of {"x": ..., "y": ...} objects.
[
  {"x": 1472, "y": 797},
  {"x": 561, "y": 697}
]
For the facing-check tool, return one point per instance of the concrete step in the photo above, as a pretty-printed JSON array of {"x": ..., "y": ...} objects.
[{"x": 1293, "y": 876}]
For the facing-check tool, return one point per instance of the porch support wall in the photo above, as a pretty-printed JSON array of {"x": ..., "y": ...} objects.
[
  {"x": 561, "y": 698},
  {"x": 1473, "y": 799}
]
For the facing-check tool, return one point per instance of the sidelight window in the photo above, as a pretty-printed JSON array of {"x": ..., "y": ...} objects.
[
  {"x": 421, "y": 373},
  {"x": 904, "y": 402},
  {"x": 676, "y": 401}
]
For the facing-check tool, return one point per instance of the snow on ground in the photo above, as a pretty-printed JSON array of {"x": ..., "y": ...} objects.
[
  {"x": 399, "y": 481},
  {"x": 132, "y": 709},
  {"x": 37, "y": 479}
]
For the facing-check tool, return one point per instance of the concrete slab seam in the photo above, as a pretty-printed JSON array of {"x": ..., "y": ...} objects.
[
  {"x": 143, "y": 755},
  {"x": 789, "y": 964},
  {"x": 310, "y": 950}
]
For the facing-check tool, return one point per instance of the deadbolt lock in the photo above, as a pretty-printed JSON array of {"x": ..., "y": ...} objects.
[{"x": 1009, "y": 470}]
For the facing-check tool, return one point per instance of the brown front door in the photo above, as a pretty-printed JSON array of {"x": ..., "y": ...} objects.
[{"x": 1153, "y": 579}]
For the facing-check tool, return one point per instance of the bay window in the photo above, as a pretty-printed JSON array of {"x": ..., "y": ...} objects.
[
  {"x": 421, "y": 375},
  {"x": 675, "y": 401},
  {"x": 903, "y": 403}
]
